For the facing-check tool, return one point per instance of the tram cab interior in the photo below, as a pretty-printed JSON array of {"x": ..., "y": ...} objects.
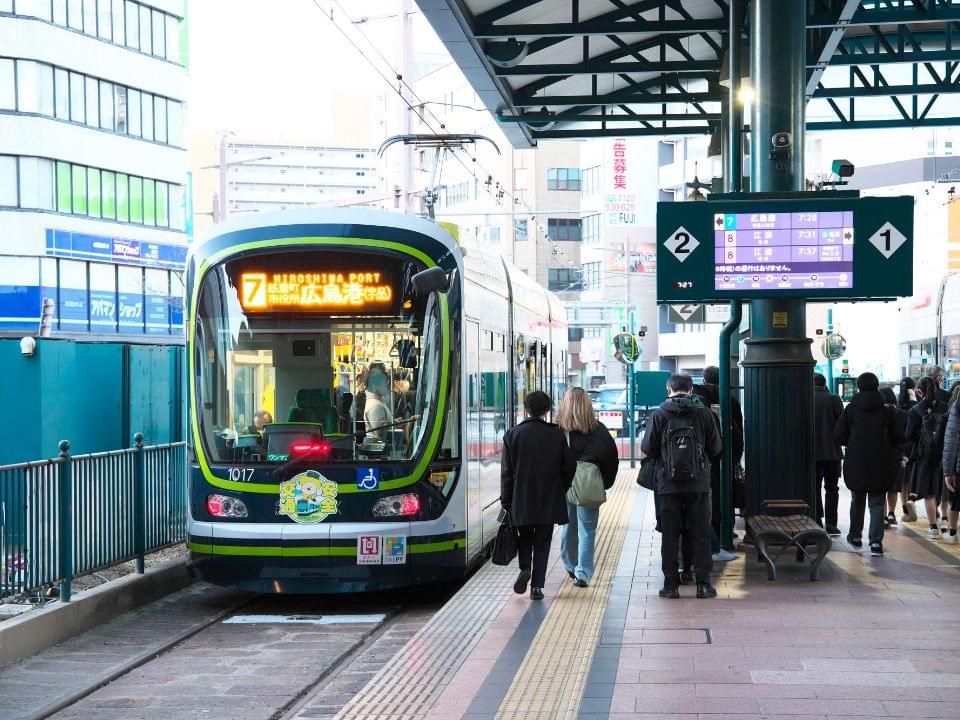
[{"x": 280, "y": 377}]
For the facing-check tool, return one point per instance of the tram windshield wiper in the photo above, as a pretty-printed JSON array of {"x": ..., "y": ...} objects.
[{"x": 325, "y": 445}]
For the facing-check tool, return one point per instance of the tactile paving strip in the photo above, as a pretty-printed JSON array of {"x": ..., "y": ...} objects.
[
  {"x": 410, "y": 683},
  {"x": 553, "y": 675}
]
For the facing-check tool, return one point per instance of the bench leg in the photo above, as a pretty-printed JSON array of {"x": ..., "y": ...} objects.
[
  {"x": 823, "y": 544},
  {"x": 764, "y": 554}
]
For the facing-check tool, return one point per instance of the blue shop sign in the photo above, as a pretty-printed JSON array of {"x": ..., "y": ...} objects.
[{"x": 83, "y": 246}]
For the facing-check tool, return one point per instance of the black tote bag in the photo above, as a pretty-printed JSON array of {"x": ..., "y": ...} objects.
[{"x": 505, "y": 545}]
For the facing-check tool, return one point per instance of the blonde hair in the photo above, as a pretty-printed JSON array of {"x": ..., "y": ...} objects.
[{"x": 576, "y": 412}]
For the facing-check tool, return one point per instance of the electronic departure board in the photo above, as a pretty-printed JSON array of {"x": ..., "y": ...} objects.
[
  {"x": 814, "y": 245},
  {"x": 783, "y": 251}
]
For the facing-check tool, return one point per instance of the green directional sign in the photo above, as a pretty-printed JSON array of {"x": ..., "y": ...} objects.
[
  {"x": 649, "y": 387},
  {"x": 817, "y": 245}
]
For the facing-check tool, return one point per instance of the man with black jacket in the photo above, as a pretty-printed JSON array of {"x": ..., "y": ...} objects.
[
  {"x": 682, "y": 437},
  {"x": 827, "y": 409},
  {"x": 536, "y": 471}
]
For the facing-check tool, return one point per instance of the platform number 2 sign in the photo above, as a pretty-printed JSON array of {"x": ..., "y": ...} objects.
[{"x": 681, "y": 243}]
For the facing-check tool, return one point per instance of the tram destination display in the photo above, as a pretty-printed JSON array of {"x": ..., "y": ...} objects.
[
  {"x": 813, "y": 245},
  {"x": 783, "y": 251}
]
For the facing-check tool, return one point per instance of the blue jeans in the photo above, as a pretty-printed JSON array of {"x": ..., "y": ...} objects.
[{"x": 577, "y": 541}]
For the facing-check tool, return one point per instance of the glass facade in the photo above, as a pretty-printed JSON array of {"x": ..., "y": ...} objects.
[
  {"x": 563, "y": 179},
  {"x": 121, "y": 22},
  {"x": 44, "y": 89},
  {"x": 565, "y": 229},
  {"x": 80, "y": 190}
]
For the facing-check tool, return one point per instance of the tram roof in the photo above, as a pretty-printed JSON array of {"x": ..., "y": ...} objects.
[{"x": 597, "y": 68}]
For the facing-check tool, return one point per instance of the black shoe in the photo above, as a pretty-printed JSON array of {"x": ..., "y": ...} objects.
[
  {"x": 686, "y": 577},
  {"x": 892, "y": 520},
  {"x": 580, "y": 583},
  {"x": 856, "y": 542},
  {"x": 670, "y": 591},
  {"x": 705, "y": 590},
  {"x": 572, "y": 575},
  {"x": 876, "y": 549},
  {"x": 536, "y": 593},
  {"x": 833, "y": 531},
  {"x": 520, "y": 586}
]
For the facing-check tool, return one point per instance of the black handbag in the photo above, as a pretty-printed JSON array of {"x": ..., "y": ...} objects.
[
  {"x": 505, "y": 544},
  {"x": 647, "y": 477}
]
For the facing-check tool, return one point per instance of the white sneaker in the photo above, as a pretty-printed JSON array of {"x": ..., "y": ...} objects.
[
  {"x": 944, "y": 526},
  {"x": 909, "y": 512},
  {"x": 724, "y": 556},
  {"x": 933, "y": 534},
  {"x": 949, "y": 539}
]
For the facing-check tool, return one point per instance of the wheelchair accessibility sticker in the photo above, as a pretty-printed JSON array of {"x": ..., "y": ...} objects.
[
  {"x": 308, "y": 498},
  {"x": 368, "y": 478}
]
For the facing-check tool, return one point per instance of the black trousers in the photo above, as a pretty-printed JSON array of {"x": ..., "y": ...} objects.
[
  {"x": 828, "y": 480},
  {"x": 686, "y": 514},
  {"x": 534, "y": 540},
  {"x": 858, "y": 501}
]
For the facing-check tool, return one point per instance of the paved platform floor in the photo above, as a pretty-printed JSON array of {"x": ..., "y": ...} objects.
[{"x": 874, "y": 638}]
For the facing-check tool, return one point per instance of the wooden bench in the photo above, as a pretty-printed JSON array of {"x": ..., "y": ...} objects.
[{"x": 793, "y": 528}]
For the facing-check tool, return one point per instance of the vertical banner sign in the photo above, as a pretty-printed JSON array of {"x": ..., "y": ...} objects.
[
  {"x": 620, "y": 205},
  {"x": 103, "y": 311}
]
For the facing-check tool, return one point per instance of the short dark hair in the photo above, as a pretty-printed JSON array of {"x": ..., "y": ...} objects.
[
  {"x": 934, "y": 371},
  {"x": 819, "y": 380},
  {"x": 711, "y": 375},
  {"x": 868, "y": 381},
  {"x": 889, "y": 397},
  {"x": 537, "y": 404},
  {"x": 680, "y": 383}
]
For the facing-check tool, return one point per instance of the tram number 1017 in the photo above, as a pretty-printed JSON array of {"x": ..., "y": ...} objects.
[{"x": 240, "y": 474}]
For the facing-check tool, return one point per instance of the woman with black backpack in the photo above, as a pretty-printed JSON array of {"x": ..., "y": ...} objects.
[
  {"x": 926, "y": 424},
  {"x": 869, "y": 430}
]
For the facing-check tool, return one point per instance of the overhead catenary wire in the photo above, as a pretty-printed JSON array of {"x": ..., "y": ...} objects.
[{"x": 420, "y": 114}]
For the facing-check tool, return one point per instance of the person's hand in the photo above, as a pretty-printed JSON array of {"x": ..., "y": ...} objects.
[{"x": 951, "y": 481}]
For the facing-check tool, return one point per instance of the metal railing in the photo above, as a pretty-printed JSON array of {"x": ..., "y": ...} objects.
[{"x": 73, "y": 515}]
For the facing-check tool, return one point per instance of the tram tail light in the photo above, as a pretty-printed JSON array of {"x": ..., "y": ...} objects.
[
  {"x": 315, "y": 449},
  {"x": 226, "y": 506},
  {"x": 397, "y": 505}
]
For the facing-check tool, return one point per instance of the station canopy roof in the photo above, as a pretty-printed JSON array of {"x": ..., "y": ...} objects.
[{"x": 561, "y": 69}]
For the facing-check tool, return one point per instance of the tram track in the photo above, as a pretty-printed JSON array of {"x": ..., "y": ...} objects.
[{"x": 329, "y": 641}]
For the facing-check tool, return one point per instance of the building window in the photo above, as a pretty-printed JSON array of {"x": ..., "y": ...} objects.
[
  {"x": 563, "y": 179},
  {"x": 591, "y": 180},
  {"x": 666, "y": 153},
  {"x": 8, "y": 180},
  {"x": 591, "y": 229},
  {"x": 574, "y": 334},
  {"x": 521, "y": 226},
  {"x": 591, "y": 276},
  {"x": 564, "y": 229},
  {"x": 8, "y": 86},
  {"x": 564, "y": 280}
]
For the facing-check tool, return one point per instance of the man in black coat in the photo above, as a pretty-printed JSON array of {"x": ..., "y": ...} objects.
[
  {"x": 827, "y": 409},
  {"x": 682, "y": 435},
  {"x": 536, "y": 471},
  {"x": 869, "y": 429}
]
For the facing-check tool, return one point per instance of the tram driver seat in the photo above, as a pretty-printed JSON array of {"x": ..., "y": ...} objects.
[{"x": 313, "y": 406}]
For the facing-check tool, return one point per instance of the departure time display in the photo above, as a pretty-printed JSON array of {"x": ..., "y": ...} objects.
[{"x": 783, "y": 251}]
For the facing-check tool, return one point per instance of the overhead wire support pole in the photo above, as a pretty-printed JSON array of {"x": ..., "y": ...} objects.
[{"x": 733, "y": 181}]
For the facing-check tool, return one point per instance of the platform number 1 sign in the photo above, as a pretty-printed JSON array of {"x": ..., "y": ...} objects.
[
  {"x": 887, "y": 240},
  {"x": 681, "y": 243}
]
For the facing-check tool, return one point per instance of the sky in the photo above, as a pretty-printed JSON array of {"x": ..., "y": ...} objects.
[{"x": 253, "y": 70}]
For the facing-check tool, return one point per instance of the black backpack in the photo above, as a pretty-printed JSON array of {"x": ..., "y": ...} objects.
[
  {"x": 683, "y": 457},
  {"x": 930, "y": 443}
]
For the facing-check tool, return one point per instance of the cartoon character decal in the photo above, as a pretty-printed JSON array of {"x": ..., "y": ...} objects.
[{"x": 308, "y": 498}]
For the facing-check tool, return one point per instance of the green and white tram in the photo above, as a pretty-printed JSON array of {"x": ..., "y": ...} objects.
[{"x": 351, "y": 376}]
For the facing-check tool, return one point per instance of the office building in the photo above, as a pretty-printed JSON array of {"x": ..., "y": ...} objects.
[{"x": 92, "y": 167}]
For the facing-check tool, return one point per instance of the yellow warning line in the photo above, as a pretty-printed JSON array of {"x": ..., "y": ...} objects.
[{"x": 553, "y": 675}]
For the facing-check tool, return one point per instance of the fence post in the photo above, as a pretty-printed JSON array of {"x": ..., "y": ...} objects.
[
  {"x": 66, "y": 521},
  {"x": 139, "y": 501}
]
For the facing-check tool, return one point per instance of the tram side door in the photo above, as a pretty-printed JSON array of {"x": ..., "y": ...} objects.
[{"x": 474, "y": 440}]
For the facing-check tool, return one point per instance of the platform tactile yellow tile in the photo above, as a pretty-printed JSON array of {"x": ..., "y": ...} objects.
[{"x": 551, "y": 679}]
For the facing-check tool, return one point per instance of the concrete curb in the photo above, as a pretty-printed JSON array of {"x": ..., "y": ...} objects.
[{"x": 28, "y": 634}]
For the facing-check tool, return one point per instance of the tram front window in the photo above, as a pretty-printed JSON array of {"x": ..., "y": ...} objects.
[{"x": 328, "y": 355}]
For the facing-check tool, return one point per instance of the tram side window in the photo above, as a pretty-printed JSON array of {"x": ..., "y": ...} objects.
[
  {"x": 493, "y": 402},
  {"x": 951, "y": 358}
]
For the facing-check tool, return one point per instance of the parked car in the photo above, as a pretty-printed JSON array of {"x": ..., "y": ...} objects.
[{"x": 610, "y": 404}]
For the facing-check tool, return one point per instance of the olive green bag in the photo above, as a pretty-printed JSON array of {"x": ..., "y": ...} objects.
[{"x": 587, "y": 489}]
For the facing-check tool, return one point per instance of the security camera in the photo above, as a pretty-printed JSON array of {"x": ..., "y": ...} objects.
[
  {"x": 28, "y": 346},
  {"x": 781, "y": 140}
]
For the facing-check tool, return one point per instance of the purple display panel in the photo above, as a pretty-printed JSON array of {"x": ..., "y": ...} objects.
[{"x": 783, "y": 251}]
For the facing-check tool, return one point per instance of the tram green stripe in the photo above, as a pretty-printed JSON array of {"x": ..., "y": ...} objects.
[
  {"x": 344, "y": 488},
  {"x": 436, "y": 547}
]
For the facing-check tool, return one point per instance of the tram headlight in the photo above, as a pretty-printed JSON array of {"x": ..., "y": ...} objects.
[
  {"x": 226, "y": 506},
  {"x": 397, "y": 505}
]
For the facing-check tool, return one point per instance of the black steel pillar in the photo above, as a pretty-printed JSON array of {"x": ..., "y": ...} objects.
[{"x": 778, "y": 365}]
